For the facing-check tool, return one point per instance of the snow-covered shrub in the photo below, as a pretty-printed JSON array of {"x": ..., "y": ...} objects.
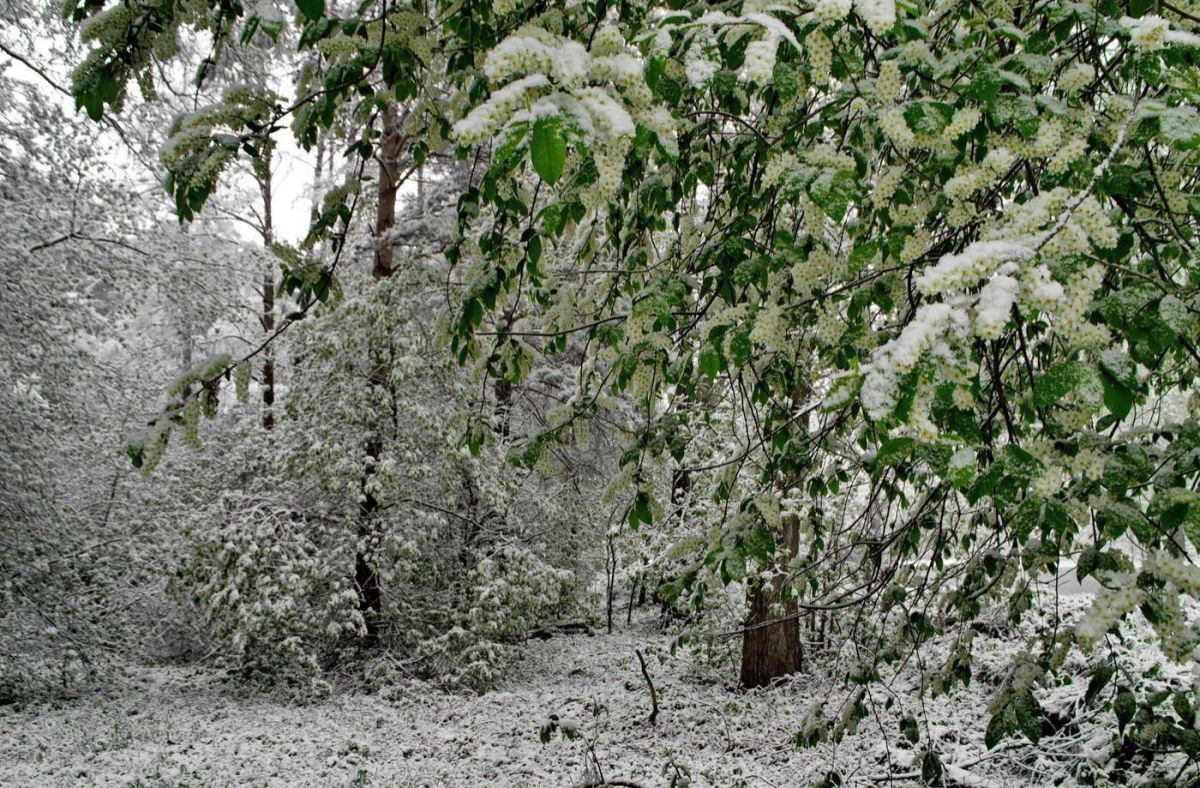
[
  {"x": 513, "y": 591},
  {"x": 365, "y": 477},
  {"x": 274, "y": 585}
]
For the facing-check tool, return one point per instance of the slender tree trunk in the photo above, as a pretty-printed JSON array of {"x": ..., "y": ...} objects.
[
  {"x": 389, "y": 183},
  {"x": 772, "y": 650},
  {"x": 366, "y": 579},
  {"x": 314, "y": 212},
  {"x": 610, "y": 566},
  {"x": 267, "y": 318},
  {"x": 504, "y": 394}
]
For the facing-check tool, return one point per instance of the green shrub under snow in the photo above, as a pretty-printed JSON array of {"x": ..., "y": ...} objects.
[{"x": 470, "y": 552}]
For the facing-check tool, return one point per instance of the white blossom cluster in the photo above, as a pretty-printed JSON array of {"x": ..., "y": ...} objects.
[
  {"x": 1153, "y": 32},
  {"x": 819, "y": 49},
  {"x": 889, "y": 83},
  {"x": 699, "y": 65},
  {"x": 1089, "y": 464},
  {"x": 1184, "y": 576},
  {"x": 1109, "y": 607},
  {"x": 485, "y": 120},
  {"x": 770, "y": 327},
  {"x": 973, "y": 178},
  {"x": 1076, "y": 78},
  {"x": 887, "y": 181},
  {"x": 1069, "y": 319},
  {"x": 829, "y": 11},
  {"x": 954, "y": 272},
  {"x": 1177, "y": 636},
  {"x": 896, "y": 128},
  {"x": 759, "y": 66},
  {"x": 920, "y": 425},
  {"x": 808, "y": 275},
  {"x": 995, "y": 305},
  {"x": 1072, "y": 149},
  {"x": 879, "y": 15},
  {"x": 600, "y": 92},
  {"x": 932, "y": 321},
  {"x": 991, "y": 262},
  {"x": 964, "y": 120},
  {"x": 830, "y": 325},
  {"x": 778, "y": 167}
]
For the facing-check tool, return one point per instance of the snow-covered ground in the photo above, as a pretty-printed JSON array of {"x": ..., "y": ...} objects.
[{"x": 177, "y": 726}]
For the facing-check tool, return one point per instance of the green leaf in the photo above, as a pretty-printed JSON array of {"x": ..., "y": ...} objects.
[
  {"x": 1125, "y": 706},
  {"x": 312, "y": 9},
  {"x": 710, "y": 362},
  {"x": 1057, "y": 382},
  {"x": 760, "y": 545},
  {"x": 861, "y": 255},
  {"x": 1101, "y": 675},
  {"x": 548, "y": 149},
  {"x": 1117, "y": 398},
  {"x": 1116, "y": 363},
  {"x": 834, "y": 192},
  {"x": 1029, "y": 716},
  {"x": 1000, "y": 726},
  {"x": 931, "y": 768},
  {"x": 894, "y": 451}
]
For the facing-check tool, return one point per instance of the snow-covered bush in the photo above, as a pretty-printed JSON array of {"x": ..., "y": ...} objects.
[{"x": 461, "y": 546}]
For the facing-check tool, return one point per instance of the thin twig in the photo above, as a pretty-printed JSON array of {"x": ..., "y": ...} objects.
[{"x": 650, "y": 684}]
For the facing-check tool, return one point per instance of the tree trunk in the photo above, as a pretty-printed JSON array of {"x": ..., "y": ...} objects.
[
  {"x": 366, "y": 579},
  {"x": 267, "y": 318},
  {"x": 389, "y": 183},
  {"x": 772, "y": 650},
  {"x": 504, "y": 395}
]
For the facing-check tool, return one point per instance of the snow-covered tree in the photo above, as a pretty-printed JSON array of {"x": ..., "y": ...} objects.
[{"x": 926, "y": 267}]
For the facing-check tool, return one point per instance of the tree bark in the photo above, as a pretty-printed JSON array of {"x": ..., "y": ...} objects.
[
  {"x": 389, "y": 183},
  {"x": 267, "y": 318},
  {"x": 366, "y": 579},
  {"x": 504, "y": 396},
  {"x": 772, "y": 650}
]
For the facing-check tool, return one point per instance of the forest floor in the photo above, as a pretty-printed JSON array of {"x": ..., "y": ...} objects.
[{"x": 178, "y": 726}]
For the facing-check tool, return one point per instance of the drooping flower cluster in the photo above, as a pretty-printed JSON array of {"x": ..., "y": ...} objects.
[
  {"x": 900, "y": 356},
  {"x": 1112, "y": 604},
  {"x": 830, "y": 11},
  {"x": 969, "y": 267},
  {"x": 880, "y": 15},
  {"x": 600, "y": 93},
  {"x": 1153, "y": 32},
  {"x": 760, "y": 59}
]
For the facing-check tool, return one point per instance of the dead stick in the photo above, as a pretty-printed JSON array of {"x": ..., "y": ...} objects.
[{"x": 650, "y": 684}]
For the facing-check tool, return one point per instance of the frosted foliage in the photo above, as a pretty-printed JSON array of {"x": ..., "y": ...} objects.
[{"x": 847, "y": 340}]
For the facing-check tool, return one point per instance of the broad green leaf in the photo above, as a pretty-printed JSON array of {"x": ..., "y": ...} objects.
[
  {"x": 894, "y": 451},
  {"x": 1101, "y": 675},
  {"x": 1029, "y": 716},
  {"x": 1117, "y": 398},
  {"x": 931, "y": 768},
  {"x": 1057, "y": 382},
  {"x": 1124, "y": 706},
  {"x": 312, "y": 9},
  {"x": 548, "y": 149}
]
